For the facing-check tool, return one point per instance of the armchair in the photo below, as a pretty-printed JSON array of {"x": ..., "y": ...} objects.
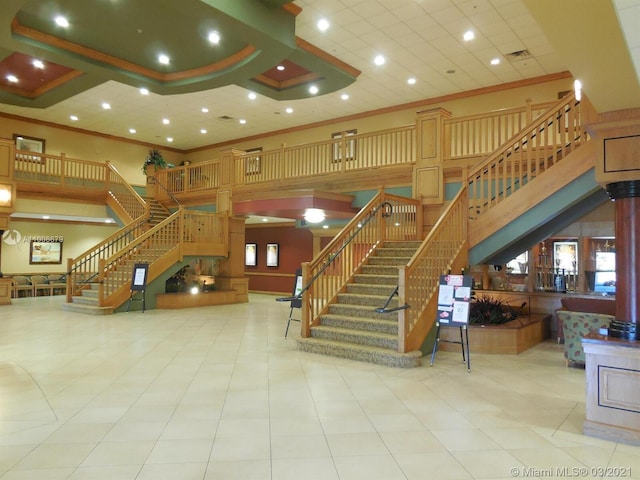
[{"x": 576, "y": 325}]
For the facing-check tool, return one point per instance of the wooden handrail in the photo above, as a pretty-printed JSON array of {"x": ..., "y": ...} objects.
[
  {"x": 348, "y": 250},
  {"x": 122, "y": 197}
]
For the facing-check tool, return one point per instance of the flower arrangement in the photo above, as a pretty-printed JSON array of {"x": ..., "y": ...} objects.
[{"x": 154, "y": 158}]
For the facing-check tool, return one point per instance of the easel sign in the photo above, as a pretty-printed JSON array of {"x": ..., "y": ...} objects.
[
  {"x": 454, "y": 296},
  {"x": 138, "y": 284}
]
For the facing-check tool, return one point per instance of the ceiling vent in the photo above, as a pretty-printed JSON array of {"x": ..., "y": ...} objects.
[
  {"x": 225, "y": 118},
  {"x": 518, "y": 55}
]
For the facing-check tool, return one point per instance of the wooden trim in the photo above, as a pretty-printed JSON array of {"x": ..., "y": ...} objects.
[
  {"x": 104, "y": 58},
  {"x": 292, "y": 8},
  {"x": 327, "y": 57}
]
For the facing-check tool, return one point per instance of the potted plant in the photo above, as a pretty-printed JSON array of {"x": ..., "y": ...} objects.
[
  {"x": 486, "y": 310},
  {"x": 154, "y": 158}
]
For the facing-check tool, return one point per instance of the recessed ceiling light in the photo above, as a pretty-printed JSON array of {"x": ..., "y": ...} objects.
[
  {"x": 203, "y": 130},
  {"x": 73, "y": 118},
  {"x": 46, "y": 217},
  {"x": 289, "y": 110},
  {"x": 166, "y": 121},
  {"x": 344, "y": 96},
  {"x": 169, "y": 139},
  {"x": 325, "y": 227},
  {"x": 252, "y": 96},
  {"x": 12, "y": 78},
  {"x": 163, "y": 59},
  {"x": 313, "y": 89},
  {"x": 379, "y": 60},
  {"x": 411, "y": 81},
  {"x": 280, "y": 68},
  {"x": 495, "y": 61},
  {"x": 214, "y": 37},
  {"x": 468, "y": 35},
  {"x": 106, "y": 106},
  {"x": 323, "y": 24},
  {"x": 265, "y": 219},
  {"x": 61, "y": 21},
  {"x": 38, "y": 63},
  {"x": 144, "y": 91},
  {"x": 109, "y": 220},
  {"x": 242, "y": 121},
  {"x": 205, "y": 110},
  {"x": 132, "y": 130}
]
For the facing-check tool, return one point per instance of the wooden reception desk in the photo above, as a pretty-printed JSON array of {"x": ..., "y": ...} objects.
[{"x": 613, "y": 388}]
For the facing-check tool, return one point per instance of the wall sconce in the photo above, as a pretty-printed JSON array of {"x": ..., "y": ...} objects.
[
  {"x": 314, "y": 215},
  {"x": 6, "y": 195}
]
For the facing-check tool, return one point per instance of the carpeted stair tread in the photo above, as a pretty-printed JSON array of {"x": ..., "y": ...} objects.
[
  {"x": 359, "y": 311},
  {"x": 363, "y": 353},
  {"x": 369, "y": 289},
  {"x": 360, "y": 337},
  {"x": 376, "y": 279},
  {"x": 364, "y": 300},
  {"x": 360, "y": 323}
]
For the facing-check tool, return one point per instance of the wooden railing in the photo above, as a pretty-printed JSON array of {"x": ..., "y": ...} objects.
[
  {"x": 84, "y": 269},
  {"x": 201, "y": 176},
  {"x": 476, "y": 136},
  {"x": 529, "y": 153},
  {"x": 444, "y": 250},
  {"x": 58, "y": 170},
  {"x": 349, "y": 153},
  {"x": 123, "y": 199},
  {"x": 385, "y": 217}
]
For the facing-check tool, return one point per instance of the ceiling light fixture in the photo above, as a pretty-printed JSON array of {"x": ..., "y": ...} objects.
[
  {"x": 203, "y": 131},
  {"x": 163, "y": 59},
  {"x": 205, "y": 110},
  {"x": 313, "y": 89},
  {"x": 495, "y": 61},
  {"x": 379, "y": 60},
  {"x": 106, "y": 106},
  {"x": 12, "y": 78},
  {"x": 289, "y": 110},
  {"x": 214, "y": 37},
  {"x": 468, "y": 35},
  {"x": 344, "y": 96},
  {"x": 38, "y": 64},
  {"x": 169, "y": 139},
  {"x": 61, "y": 21},
  {"x": 242, "y": 121},
  {"x": 252, "y": 96},
  {"x": 132, "y": 130},
  {"x": 411, "y": 81},
  {"x": 323, "y": 24},
  {"x": 166, "y": 121},
  {"x": 73, "y": 118},
  {"x": 314, "y": 215},
  {"x": 144, "y": 91},
  {"x": 280, "y": 68}
]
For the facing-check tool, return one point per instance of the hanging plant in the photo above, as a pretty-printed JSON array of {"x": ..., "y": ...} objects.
[{"x": 154, "y": 158}]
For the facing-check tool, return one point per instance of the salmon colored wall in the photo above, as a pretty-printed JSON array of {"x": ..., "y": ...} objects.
[{"x": 295, "y": 247}]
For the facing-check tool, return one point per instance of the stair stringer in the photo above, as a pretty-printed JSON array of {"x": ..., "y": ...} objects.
[{"x": 570, "y": 184}]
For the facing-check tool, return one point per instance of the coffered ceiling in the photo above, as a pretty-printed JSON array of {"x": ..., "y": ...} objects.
[{"x": 212, "y": 92}]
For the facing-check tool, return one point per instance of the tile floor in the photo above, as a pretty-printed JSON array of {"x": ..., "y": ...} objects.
[{"x": 218, "y": 393}]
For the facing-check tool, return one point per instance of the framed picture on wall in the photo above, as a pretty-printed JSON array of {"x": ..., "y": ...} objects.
[
  {"x": 45, "y": 252},
  {"x": 565, "y": 256},
  {"x": 29, "y": 144},
  {"x": 272, "y": 254},
  {"x": 251, "y": 254}
]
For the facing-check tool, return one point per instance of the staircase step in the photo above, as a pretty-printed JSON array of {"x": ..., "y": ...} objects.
[
  {"x": 366, "y": 289},
  {"x": 85, "y": 300},
  {"x": 380, "y": 269},
  {"x": 376, "y": 279},
  {"x": 395, "y": 252},
  {"x": 397, "y": 261},
  {"x": 361, "y": 311},
  {"x": 87, "y": 309},
  {"x": 366, "y": 300},
  {"x": 360, "y": 323},
  {"x": 363, "y": 353},
  {"x": 359, "y": 337}
]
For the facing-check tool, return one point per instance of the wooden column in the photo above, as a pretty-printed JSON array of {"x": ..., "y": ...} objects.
[{"x": 627, "y": 225}]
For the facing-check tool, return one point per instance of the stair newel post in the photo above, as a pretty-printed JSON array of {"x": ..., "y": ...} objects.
[
  {"x": 403, "y": 327},
  {"x": 70, "y": 284},
  {"x": 305, "y": 311},
  {"x": 101, "y": 296}
]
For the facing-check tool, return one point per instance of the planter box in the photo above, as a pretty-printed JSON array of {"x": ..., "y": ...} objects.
[{"x": 511, "y": 338}]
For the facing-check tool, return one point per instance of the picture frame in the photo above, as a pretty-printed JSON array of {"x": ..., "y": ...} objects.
[
  {"x": 31, "y": 144},
  {"x": 273, "y": 254},
  {"x": 251, "y": 254},
  {"x": 565, "y": 256},
  {"x": 337, "y": 146},
  {"x": 47, "y": 252},
  {"x": 253, "y": 164}
]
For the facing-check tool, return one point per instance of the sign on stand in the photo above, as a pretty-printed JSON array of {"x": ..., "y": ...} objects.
[{"x": 454, "y": 298}]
